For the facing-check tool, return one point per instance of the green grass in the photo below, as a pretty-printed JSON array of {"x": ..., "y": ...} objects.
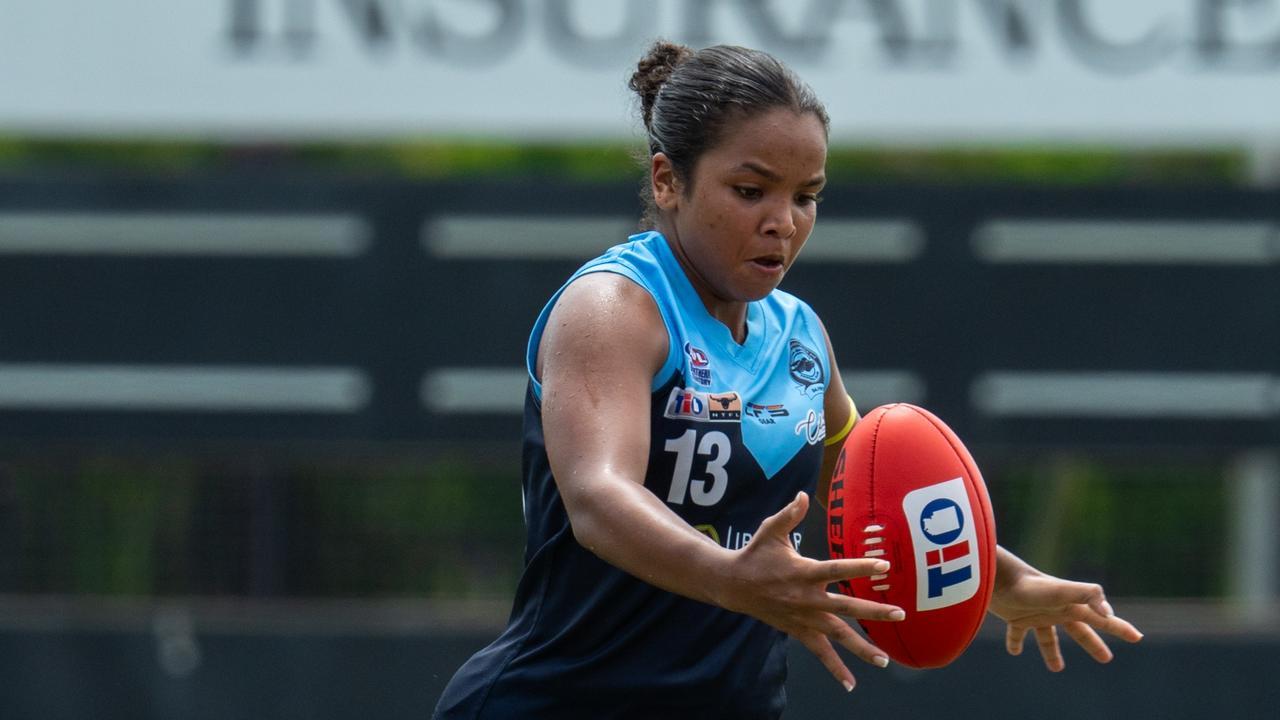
[
  {"x": 602, "y": 161},
  {"x": 1136, "y": 526}
]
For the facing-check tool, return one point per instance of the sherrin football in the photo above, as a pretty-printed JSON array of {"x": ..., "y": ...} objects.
[{"x": 906, "y": 490}]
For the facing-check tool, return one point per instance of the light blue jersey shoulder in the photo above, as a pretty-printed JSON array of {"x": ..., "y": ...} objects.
[{"x": 771, "y": 385}]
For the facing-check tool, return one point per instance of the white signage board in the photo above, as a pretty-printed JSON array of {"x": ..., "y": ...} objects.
[{"x": 911, "y": 71}]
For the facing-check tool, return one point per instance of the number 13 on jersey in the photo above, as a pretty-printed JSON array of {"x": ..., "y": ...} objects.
[{"x": 716, "y": 448}]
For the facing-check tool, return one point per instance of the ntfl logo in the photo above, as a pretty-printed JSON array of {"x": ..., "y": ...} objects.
[{"x": 942, "y": 537}]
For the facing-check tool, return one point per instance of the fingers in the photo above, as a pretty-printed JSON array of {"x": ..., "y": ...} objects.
[
  {"x": 862, "y": 609},
  {"x": 829, "y": 571},
  {"x": 1118, "y": 627},
  {"x": 1014, "y": 637},
  {"x": 1093, "y": 596},
  {"x": 1124, "y": 630},
  {"x": 1050, "y": 650},
  {"x": 819, "y": 642},
  {"x": 1100, "y": 605},
  {"x": 1087, "y": 638},
  {"x": 1083, "y": 631},
  {"x": 841, "y": 632},
  {"x": 785, "y": 520},
  {"x": 820, "y": 646},
  {"x": 1110, "y": 624}
]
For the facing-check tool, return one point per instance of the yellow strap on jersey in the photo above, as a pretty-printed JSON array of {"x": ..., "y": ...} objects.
[{"x": 844, "y": 431}]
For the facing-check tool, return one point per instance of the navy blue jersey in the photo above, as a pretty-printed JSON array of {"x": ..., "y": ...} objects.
[{"x": 736, "y": 432}]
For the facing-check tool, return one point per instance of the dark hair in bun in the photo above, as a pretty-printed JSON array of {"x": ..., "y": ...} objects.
[
  {"x": 653, "y": 71},
  {"x": 688, "y": 97}
]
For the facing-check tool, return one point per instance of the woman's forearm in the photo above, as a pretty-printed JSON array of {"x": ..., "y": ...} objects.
[{"x": 629, "y": 527}]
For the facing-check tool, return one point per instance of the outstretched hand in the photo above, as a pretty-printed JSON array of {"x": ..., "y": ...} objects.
[
  {"x": 773, "y": 583},
  {"x": 1029, "y": 600}
]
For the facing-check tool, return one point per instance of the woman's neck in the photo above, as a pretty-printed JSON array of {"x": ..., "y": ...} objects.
[{"x": 731, "y": 313}]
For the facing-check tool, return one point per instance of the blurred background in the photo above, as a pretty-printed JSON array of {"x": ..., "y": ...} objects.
[{"x": 267, "y": 268}]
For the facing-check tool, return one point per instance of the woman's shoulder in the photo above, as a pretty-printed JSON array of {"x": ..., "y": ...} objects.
[
  {"x": 606, "y": 319},
  {"x": 785, "y": 305},
  {"x": 639, "y": 255}
]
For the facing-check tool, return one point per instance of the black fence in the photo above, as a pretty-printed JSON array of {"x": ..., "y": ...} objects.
[{"x": 302, "y": 308}]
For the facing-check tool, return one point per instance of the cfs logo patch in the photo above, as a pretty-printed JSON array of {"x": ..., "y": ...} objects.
[
  {"x": 943, "y": 539},
  {"x": 699, "y": 365},
  {"x": 767, "y": 414},
  {"x": 684, "y": 404},
  {"x": 806, "y": 368}
]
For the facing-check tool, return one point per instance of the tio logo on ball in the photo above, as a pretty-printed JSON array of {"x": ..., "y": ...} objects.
[{"x": 943, "y": 540}]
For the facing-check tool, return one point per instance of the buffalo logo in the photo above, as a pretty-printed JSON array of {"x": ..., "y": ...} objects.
[
  {"x": 944, "y": 540},
  {"x": 724, "y": 407},
  {"x": 806, "y": 368},
  {"x": 699, "y": 365}
]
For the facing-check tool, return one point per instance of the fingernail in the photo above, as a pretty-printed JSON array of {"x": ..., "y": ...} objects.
[
  {"x": 897, "y": 615},
  {"x": 881, "y": 566},
  {"x": 1106, "y": 609},
  {"x": 848, "y": 686},
  {"x": 881, "y": 660}
]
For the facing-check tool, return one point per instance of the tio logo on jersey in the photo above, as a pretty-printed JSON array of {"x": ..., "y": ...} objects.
[{"x": 943, "y": 539}]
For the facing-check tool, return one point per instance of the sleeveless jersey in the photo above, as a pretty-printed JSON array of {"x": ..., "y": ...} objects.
[{"x": 736, "y": 432}]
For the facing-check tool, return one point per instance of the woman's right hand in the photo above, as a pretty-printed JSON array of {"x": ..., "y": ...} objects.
[{"x": 772, "y": 582}]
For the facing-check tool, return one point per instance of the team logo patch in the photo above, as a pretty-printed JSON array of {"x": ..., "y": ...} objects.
[
  {"x": 687, "y": 404},
  {"x": 806, "y": 368},
  {"x": 943, "y": 539},
  {"x": 767, "y": 414},
  {"x": 699, "y": 365}
]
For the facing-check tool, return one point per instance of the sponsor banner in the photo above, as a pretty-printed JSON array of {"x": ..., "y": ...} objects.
[
  {"x": 944, "y": 540},
  {"x": 1142, "y": 71}
]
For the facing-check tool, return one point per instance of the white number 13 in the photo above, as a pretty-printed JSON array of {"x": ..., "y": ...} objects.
[{"x": 716, "y": 445}]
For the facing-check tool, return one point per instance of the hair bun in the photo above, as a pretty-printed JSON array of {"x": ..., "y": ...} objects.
[{"x": 653, "y": 71}]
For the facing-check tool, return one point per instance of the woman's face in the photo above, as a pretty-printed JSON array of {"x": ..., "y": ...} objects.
[{"x": 752, "y": 202}]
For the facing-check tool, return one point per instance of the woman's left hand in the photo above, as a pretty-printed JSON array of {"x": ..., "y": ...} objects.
[{"x": 1029, "y": 600}]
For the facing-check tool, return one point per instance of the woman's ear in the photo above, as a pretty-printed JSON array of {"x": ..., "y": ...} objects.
[{"x": 666, "y": 186}]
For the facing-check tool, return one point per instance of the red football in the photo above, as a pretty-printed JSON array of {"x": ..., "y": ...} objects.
[{"x": 905, "y": 489}]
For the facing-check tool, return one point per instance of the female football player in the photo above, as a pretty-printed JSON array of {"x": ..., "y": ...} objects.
[{"x": 681, "y": 411}]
